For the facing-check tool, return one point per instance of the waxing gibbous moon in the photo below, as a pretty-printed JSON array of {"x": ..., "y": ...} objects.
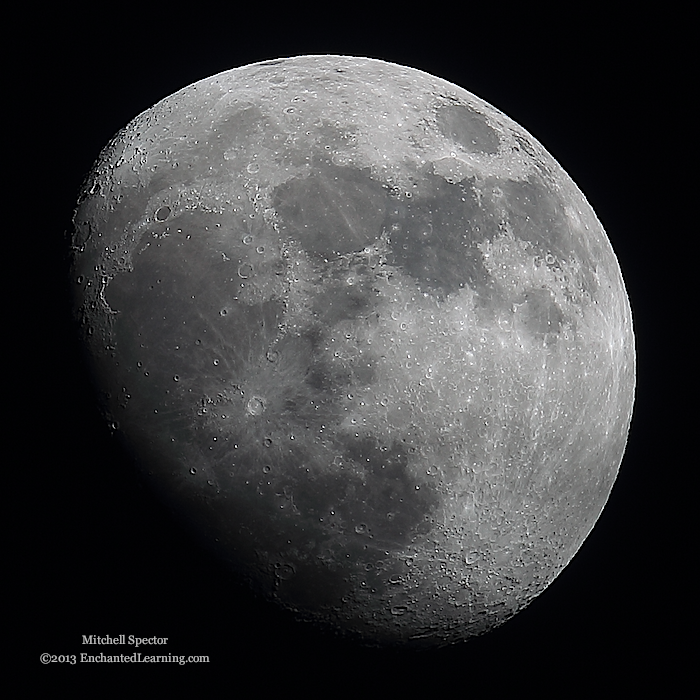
[{"x": 365, "y": 334}]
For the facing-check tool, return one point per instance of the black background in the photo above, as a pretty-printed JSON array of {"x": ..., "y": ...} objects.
[{"x": 103, "y": 557}]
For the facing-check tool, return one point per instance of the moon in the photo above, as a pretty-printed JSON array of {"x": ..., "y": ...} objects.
[{"x": 365, "y": 334}]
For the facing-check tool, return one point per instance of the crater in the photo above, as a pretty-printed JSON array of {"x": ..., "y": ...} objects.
[
  {"x": 162, "y": 213},
  {"x": 255, "y": 406}
]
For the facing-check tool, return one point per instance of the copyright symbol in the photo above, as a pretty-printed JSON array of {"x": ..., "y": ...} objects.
[{"x": 45, "y": 658}]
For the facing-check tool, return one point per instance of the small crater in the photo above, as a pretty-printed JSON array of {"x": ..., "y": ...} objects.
[
  {"x": 255, "y": 406},
  {"x": 162, "y": 213},
  {"x": 284, "y": 571},
  {"x": 245, "y": 271}
]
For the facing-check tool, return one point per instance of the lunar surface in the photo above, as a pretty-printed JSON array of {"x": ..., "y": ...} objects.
[{"x": 365, "y": 334}]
